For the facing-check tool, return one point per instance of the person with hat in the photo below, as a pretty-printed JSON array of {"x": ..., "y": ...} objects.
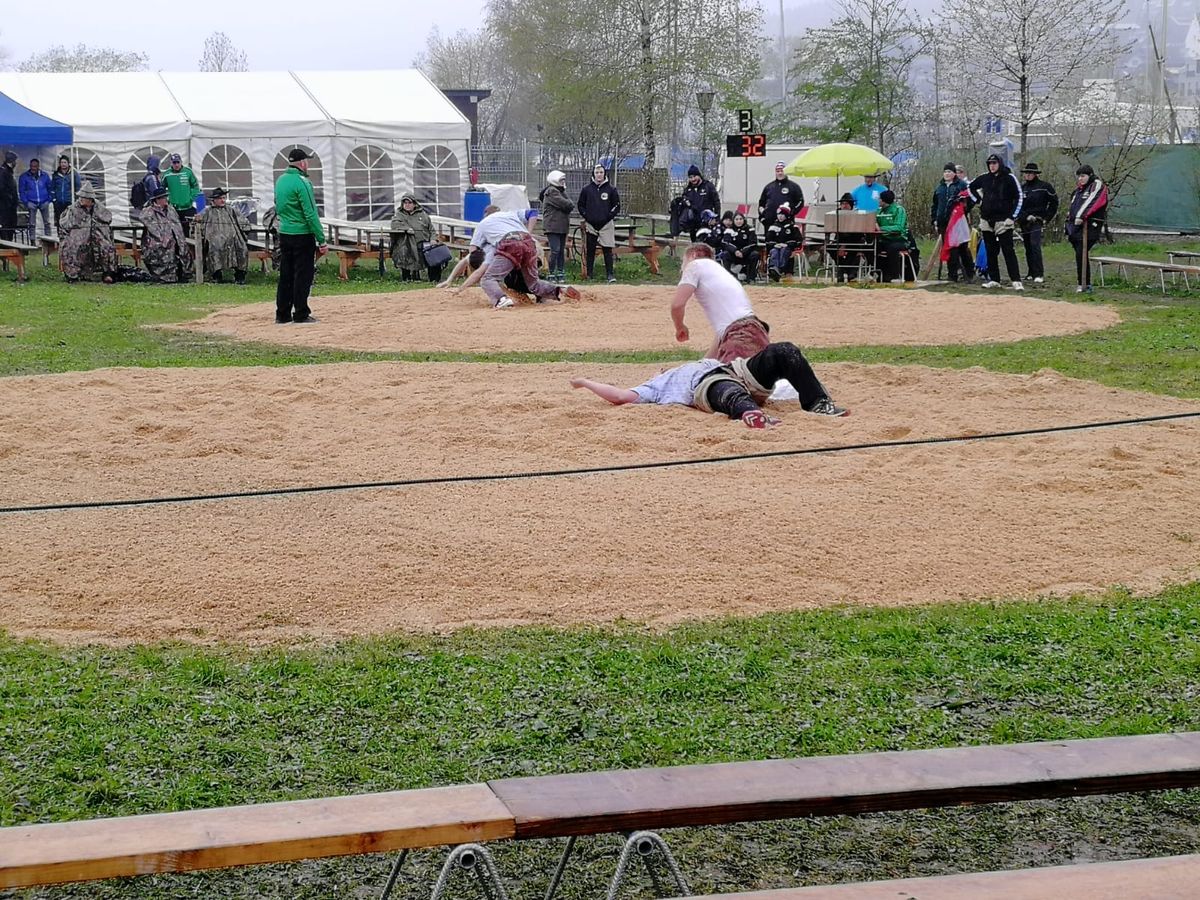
[
  {"x": 866, "y": 195},
  {"x": 699, "y": 194},
  {"x": 1041, "y": 205},
  {"x": 599, "y": 204},
  {"x": 64, "y": 185},
  {"x": 223, "y": 230},
  {"x": 783, "y": 237},
  {"x": 301, "y": 240},
  {"x": 1085, "y": 221},
  {"x": 164, "y": 248},
  {"x": 1000, "y": 198},
  {"x": 9, "y": 197},
  {"x": 556, "y": 222},
  {"x": 411, "y": 228},
  {"x": 780, "y": 189},
  {"x": 87, "y": 252},
  {"x": 953, "y": 192},
  {"x": 182, "y": 189}
]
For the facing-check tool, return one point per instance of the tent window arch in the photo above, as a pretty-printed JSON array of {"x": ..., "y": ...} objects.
[
  {"x": 315, "y": 173},
  {"x": 436, "y": 183},
  {"x": 90, "y": 167},
  {"x": 229, "y": 167},
  {"x": 370, "y": 189},
  {"x": 135, "y": 169}
]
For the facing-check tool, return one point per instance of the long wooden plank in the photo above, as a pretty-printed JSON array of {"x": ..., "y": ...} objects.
[
  {"x": 1168, "y": 878},
  {"x": 248, "y": 835},
  {"x": 601, "y": 802}
]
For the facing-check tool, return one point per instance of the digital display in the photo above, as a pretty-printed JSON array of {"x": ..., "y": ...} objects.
[{"x": 738, "y": 146}]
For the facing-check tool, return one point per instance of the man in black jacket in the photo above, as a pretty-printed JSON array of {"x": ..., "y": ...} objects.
[
  {"x": 1041, "y": 203},
  {"x": 998, "y": 194},
  {"x": 8, "y": 197},
  {"x": 699, "y": 194},
  {"x": 599, "y": 204},
  {"x": 777, "y": 192}
]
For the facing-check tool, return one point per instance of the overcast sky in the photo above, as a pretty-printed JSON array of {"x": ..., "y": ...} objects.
[{"x": 363, "y": 34}]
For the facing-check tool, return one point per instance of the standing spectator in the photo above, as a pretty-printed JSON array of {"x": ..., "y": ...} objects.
[
  {"x": 64, "y": 185},
  {"x": 782, "y": 239},
  {"x": 87, "y": 252},
  {"x": 9, "y": 197},
  {"x": 224, "y": 229},
  {"x": 410, "y": 230},
  {"x": 599, "y": 204},
  {"x": 866, "y": 195},
  {"x": 741, "y": 249},
  {"x": 950, "y": 193},
  {"x": 35, "y": 192},
  {"x": 781, "y": 190},
  {"x": 151, "y": 184},
  {"x": 1085, "y": 221},
  {"x": 999, "y": 196},
  {"x": 893, "y": 229},
  {"x": 556, "y": 222},
  {"x": 183, "y": 189},
  {"x": 699, "y": 194},
  {"x": 164, "y": 248},
  {"x": 1041, "y": 205},
  {"x": 301, "y": 240}
]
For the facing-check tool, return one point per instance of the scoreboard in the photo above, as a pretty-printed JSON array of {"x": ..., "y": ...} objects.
[{"x": 739, "y": 146}]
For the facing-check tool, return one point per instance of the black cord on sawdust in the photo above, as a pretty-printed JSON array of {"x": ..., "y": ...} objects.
[{"x": 592, "y": 470}]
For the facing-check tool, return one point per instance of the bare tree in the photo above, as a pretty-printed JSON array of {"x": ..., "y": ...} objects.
[
  {"x": 220, "y": 55},
  {"x": 1022, "y": 55},
  {"x": 82, "y": 58},
  {"x": 5, "y": 55}
]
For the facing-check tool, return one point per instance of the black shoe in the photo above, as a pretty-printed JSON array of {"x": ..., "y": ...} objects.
[
  {"x": 773, "y": 273},
  {"x": 307, "y": 320},
  {"x": 826, "y": 407},
  {"x": 283, "y": 321}
]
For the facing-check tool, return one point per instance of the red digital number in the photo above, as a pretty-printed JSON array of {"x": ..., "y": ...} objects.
[{"x": 760, "y": 145}]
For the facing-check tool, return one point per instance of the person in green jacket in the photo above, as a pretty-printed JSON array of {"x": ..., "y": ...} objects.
[
  {"x": 182, "y": 191},
  {"x": 301, "y": 240},
  {"x": 893, "y": 234}
]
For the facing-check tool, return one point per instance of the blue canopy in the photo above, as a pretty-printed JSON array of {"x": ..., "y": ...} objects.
[{"x": 22, "y": 126}]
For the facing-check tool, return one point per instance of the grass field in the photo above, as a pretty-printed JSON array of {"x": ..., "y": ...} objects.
[{"x": 97, "y": 731}]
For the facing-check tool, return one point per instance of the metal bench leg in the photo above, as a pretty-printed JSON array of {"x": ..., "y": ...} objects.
[
  {"x": 471, "y": 858},
  {"x": 393, "y": 875},
  {"x": 1162, "y": 280},
  {"x": 645, "y": 844},
  {"x": 556, "y": 880}
]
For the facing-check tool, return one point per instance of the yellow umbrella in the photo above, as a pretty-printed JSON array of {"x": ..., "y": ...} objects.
[{"x": 838, "y": 159}]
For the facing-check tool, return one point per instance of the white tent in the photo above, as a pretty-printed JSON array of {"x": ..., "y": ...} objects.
[{"x": 376, "y": 134}]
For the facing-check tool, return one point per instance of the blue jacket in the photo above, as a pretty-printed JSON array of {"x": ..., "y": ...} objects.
[
  {"x": 60, "y": 186},
  {"x": 34, "y": 190},
  {"x": 866, "y": 198}
]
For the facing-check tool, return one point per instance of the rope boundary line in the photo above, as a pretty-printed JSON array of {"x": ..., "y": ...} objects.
[{"x": 588, "y": 470}]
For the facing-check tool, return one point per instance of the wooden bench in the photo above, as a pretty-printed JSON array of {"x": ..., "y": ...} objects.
[
  {"x": 1162, "y": 268},
  {"x": 49, "y": 246},
  {"x": 595, "y": 803},
  {"x": 11, "y": 251},
  {"x": 1166, "y": 878}
]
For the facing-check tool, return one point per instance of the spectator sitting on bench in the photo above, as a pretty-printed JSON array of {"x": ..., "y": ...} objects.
[
  {"x": 783, "y": 237},
  {"x": 87, "y": 252},
  {"x": 847, "y": 261},
  {"x": 893, "y": 229},
  {"x": 710, "y": 232},
  {"x": 164, "y": 248},
  {"x": 741, "y": 249}
]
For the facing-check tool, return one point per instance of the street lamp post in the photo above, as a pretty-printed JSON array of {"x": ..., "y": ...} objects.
[{"x": 704, "y": 99}]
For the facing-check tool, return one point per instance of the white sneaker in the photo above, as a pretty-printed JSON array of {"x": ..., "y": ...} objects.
[
  {"x": 1039, "y": 281},
  {"x": 990, "y": 284},
  {"x": 1079, "y": 290},
  {"x": 504, "y": 303},
  {"x": 1017, "y": 286}
]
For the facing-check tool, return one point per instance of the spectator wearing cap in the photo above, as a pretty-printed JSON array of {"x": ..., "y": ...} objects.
[
  {"x": 223, "y": 230},
  {"x": 999, "y": 195},
  {"x": 35, "y": 190},
  {"x": 1085, "y": 220},
  {"x": 1041, "y": 205},
  {"x": 182, "y": 189},
  {"x": 699, "y": 194},
  {"x": 709, "y": 231},
  {"x": 9, "y": 197},
  {"x": 556, "y": 222},
  {"x": 164, "y": 248},
  {"x": 866, "y": 195},
  {"x": 780, "y": 189},
  {"x": 952, "y": 192},
  {"x": 64, "y": 185},
  {"x": 783, "y": 237},
  {"x": 301, "y": 240},
  {"x": 598, "y": 204}
]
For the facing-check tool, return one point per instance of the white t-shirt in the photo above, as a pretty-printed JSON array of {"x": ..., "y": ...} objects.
[
  {"x": 723, "y": 299},
  {"x": 493, "y": 228}
]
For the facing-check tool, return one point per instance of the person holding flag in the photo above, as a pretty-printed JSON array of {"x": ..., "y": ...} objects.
[{"x": 951, "y": 203}]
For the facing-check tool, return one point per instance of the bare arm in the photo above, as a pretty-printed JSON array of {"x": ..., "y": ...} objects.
[
  {"x": 683, "y": 294},
  {"x": 473, "y": 279},
  {"x": 613, "y": 394}
]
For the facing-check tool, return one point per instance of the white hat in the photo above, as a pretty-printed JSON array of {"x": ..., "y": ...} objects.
[{"x": 557, "y": 178}]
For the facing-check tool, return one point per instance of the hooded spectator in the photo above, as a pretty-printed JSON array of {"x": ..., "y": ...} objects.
[
  {"x": 599, "y": 203},
  {"x": 998, "y": 193},
  {"x": 411, "y": 228},
  {"x": 556, "y": 222}
]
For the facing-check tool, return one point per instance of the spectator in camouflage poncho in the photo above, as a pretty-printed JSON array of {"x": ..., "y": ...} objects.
[
  {"x": 164, "y": 250},
  {"x": 411, "y": 227},
  {"x": 85, "y": 228},
  {"x": 224, "y": 231}
]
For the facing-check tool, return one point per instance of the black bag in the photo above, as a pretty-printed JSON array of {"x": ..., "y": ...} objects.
[
  {"x": 137, "y": 195},
  {"x": 436, "y": 253}
]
